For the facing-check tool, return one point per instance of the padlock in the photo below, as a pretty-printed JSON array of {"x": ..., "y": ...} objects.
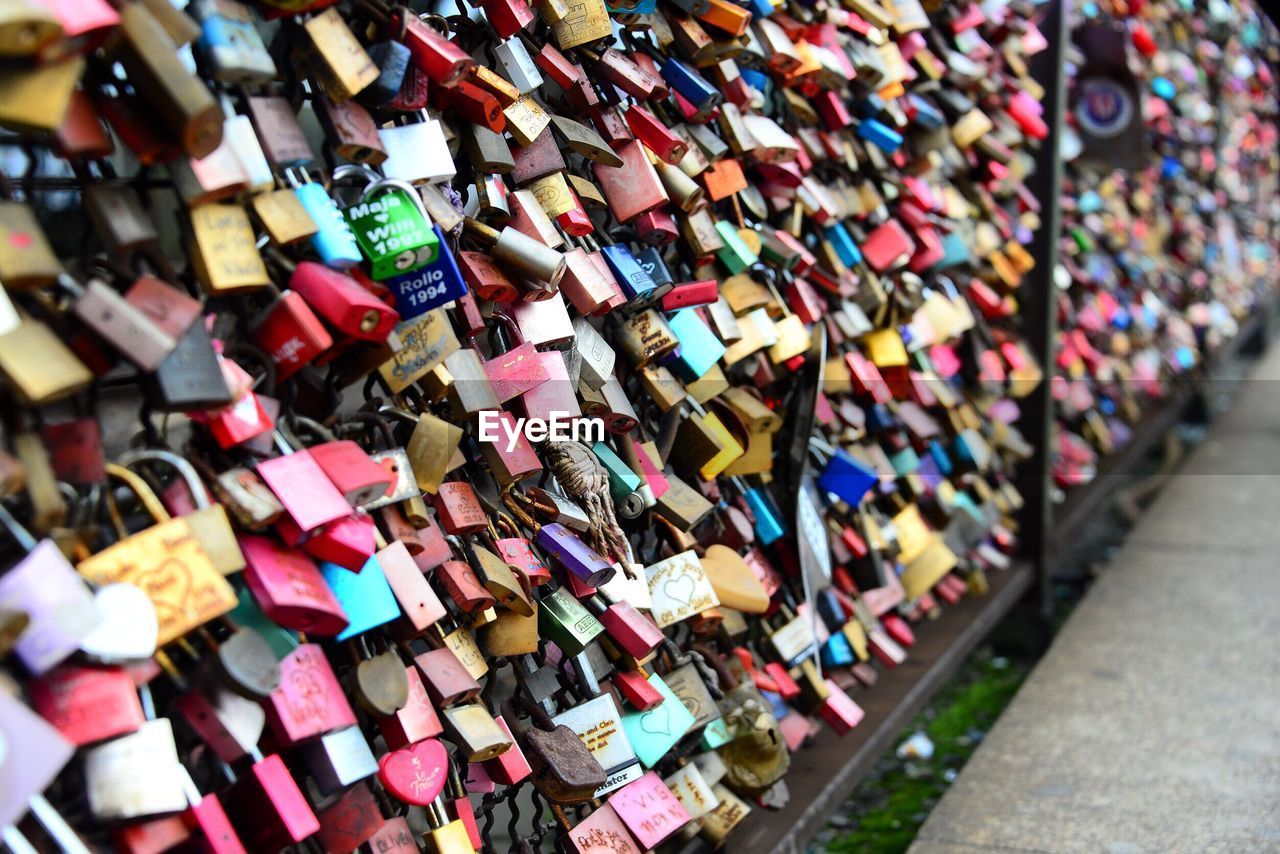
[
  {"x": 475, "y": 731},
  {"x": 518, "y": 252},
  {"x": 333, "y": 240},
  {"x": 190, "y": 379},
  {"x": 563, "y": 769},
  {"x": 135, "y": 775},
  {"x": 632, "y": 188},
  {"x": 441, "y": 60},
  {"x": 166, "y": 547},
  {"x": 38, "y": 365},
  {"x": 267, "y": 808},
  {"x": 231, "y": 44},
  {"x": 185, "y": 106},
  {"x": 26, "y": 259},
  {"x": 417, "y": 153},
  {"x": 187, "y": 498},
  {"x": 562, "y": 620},
  {"x": 340, "y": 759},
  {"x": 392, "y": 228},
  {"x": 351, "y": 130},
  {"x": 224, "y": 250},
  {"x": 289, "y": 587},
  {"x": 342, "y": 303},
  {"x": 289, "y": 331},
  {"x": 344, "y": 66}
]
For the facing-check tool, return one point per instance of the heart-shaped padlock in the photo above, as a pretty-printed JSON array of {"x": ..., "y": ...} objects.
[{"x": 415, "y": 774}]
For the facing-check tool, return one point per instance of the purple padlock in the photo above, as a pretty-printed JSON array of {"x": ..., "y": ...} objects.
[
  {"x": 575, "y": 555},
  {"x": 58, "y": 603}
]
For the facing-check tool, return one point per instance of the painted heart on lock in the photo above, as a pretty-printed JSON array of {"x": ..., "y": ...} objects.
[
  {"x": 657, "y": 721},
  {"x": 680, "y": 589},
  {"x": 416, "y": 774}
]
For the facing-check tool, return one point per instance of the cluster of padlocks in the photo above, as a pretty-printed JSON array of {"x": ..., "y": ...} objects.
[
  {"x": 1169, "y": 234},
  {"x": 493, "y": 425}
]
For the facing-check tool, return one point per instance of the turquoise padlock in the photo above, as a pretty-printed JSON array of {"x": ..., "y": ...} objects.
[
  {"x": 700, "y": 349},
  {"x": 836, "y": 651},
  {"x": 622, "y": 480},
  {"x": 365, "y": 596},
  {"x": 768, "y": 525},
  {"x": 653, "y": 733}
]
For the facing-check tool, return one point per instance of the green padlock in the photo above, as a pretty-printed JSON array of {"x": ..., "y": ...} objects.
[
  {"x": 565, "y": 622},
  {"x": 393, "y": 229},
  {"x": 735, "y": 255}
]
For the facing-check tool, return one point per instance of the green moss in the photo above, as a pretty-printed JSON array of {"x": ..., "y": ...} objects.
[{"x": 892, "y": 803}]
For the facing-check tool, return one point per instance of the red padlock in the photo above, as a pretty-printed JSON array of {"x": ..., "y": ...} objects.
[
  {"x": 342, "y": 303},
  {"x": 349, "y": 467},
  {"x": 290, "y": 333}
]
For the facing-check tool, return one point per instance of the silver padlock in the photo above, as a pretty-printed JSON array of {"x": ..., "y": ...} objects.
[
  {"x": 238, "y": 134},
  {"x": 597, "y": 356},
  {"x": 724, "y": 322},
  {"x": 136, "y": 775},
  {"x": 568, "y": 513},
  {"x": 417, "y": 152},
  {"x": 404, "y": 487},
  {"x": 339, "y": 759},
  {"x": 131, "y": 332},
  {"x": 515, "y": 64}
]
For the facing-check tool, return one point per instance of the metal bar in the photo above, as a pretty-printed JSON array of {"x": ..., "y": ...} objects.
[
  {"x": 1039, "y": 305},
  {"x": 826, "y": 771}
]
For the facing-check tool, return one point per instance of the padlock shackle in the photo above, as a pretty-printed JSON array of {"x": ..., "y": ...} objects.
[
  {"x": 141, "y": 489},
  {"x": 368, "y": 419},
  {"x": 185, "y": 470}
]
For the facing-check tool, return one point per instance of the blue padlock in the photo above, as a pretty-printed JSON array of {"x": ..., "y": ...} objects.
[
  {"x": 880, "y": 135},
  {"x": 829, "y": 609},
  {"x": 651, "y": 260},
  {"x": 757, "y": 80},
  {"x": 333, "y": 240},
  {"x": 941, "y": 459},
  {"x": 699, "y": 350},
  {"x": 836, "y": 651},
  {"x": 871, "y": 106},
  {"x": 879, "y": 418},
  {"x": 430, "y": 286},
  {"x": 365, "y": 596},
  {"x": 768, "y": 525},
  {"x": 643, "y": 7},
  {"x": 926, "y": 115},
  {"x": 691, "y": 85},
  {"x": 847, "y": 478},
  {"x": 955, "y": 252},
  {"x": 653, "y": 733},
  {"x": 636, "y": 283},
  {"x": 840, "y": 238}
]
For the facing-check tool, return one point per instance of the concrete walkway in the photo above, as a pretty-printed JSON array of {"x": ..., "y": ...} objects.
[{"x": 1153, "y": 724}]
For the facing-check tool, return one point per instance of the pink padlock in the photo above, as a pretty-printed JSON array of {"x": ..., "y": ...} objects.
[
  {"x": 309, "y": 701},
  {"x": 289, "y": 587},
  {"x": 649, "y": 810}
]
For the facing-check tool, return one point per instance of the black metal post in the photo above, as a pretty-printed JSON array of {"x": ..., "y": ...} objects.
[{"x": 1039, "y": 306}]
